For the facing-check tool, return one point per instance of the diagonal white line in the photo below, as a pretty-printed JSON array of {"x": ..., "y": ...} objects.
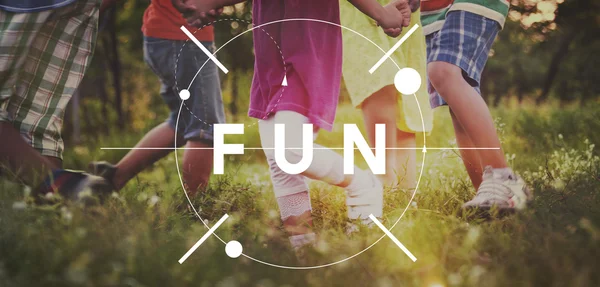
[
  {"x": 210, "y": 231},
  {"x": 206, "y": 51},
  {"x": 394, "y": 48},
  {"x": 391, "y": 236}
]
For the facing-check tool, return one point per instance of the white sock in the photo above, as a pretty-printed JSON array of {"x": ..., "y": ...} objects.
[{"x": 294, "y": 204}]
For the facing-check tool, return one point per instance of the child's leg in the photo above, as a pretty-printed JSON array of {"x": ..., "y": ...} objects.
[
  {"x": 364, "y": 192},
  {"x": 381, "y": 108},
  {"x": 457, "y": 56},
  {"x": 470, "y": 110},
  {"x": 291, "y": 192},
  {"x": 326, "y": 165},
  {"x": 193, "y": 121},
  {"x": 296, "y": 213},
  {"x": 162, "y": 136},
  {"x": 499, "y": 187},
  {"x": 197, "y": 165},
  {"x": 406, "y": 160},
  {"x": 19, "y": 157},
  {"x": 470, "y": 158}
]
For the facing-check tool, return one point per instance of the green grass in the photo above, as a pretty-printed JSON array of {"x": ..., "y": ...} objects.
[{"x": 137, "y": 237}]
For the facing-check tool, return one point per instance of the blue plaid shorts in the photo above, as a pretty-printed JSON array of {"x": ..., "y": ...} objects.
[
  {"x": 176, "y": 64},
  {"x": 465, "y": 40}
]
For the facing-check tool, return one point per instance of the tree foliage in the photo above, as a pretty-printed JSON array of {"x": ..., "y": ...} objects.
[{"x": 546, "y": 52}]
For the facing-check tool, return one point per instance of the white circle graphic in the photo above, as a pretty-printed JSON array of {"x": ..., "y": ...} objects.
[
  {"x": 184, "y": 94},
  {"x": 407, "y": 81},
  {"x": 233, "y": 249}
]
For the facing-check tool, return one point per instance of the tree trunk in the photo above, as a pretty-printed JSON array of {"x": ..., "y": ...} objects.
[
  {"x": 233, "y": 108},
  {"x": 115, "y": 65},
  {"x": 554, "y": 67},
  {"x": 76, "y": 135},
  {"x": 100, "y": 83},
  {"x": 234, "y": 95},
  {"x": 497, "y": 99}
]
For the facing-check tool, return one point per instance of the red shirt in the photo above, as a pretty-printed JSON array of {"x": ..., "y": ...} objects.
[
  {"x": 432, "y": 5},
  {"x": 162, "y": 20}
]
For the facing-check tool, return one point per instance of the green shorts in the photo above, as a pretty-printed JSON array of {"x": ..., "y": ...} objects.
[{"x": 43, "y": 57}]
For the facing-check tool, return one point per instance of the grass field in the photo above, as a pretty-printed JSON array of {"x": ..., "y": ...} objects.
[{"x": 137, "y": 237}]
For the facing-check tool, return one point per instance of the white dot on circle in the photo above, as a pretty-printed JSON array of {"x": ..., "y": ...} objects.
[
  {"x": 184, "y": 94},
  {"x": 407, "y": 81},
  {"x": 233, "y": 249}
]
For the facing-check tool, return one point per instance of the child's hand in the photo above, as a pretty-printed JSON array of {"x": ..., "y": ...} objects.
[
  {"x": 198, "y": 12},
  {"x": 393, "y": 32},
  {"x": 204, "y": 5},
  {"x": 405, "y": 9},
  {"x": 397, "y": 15},
  {"x": 204, "y": 18},
  {"x": 184, "y": 7}
]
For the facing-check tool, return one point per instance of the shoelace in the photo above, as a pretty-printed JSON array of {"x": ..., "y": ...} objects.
[{"x": 493, "y": 187}]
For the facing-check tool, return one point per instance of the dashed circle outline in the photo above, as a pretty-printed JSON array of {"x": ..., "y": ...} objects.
[{"x": 208, "y": 60}]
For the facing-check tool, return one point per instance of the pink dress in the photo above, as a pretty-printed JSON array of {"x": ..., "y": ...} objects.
[{"x": 312, "y": 52}]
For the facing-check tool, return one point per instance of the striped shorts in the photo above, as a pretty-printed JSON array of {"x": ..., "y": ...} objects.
[
  {"x": 43, "y": 57},
  {"x": 464, "y": 40}
]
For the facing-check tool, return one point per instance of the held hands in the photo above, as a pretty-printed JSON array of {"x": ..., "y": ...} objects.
[
  {"x": 397, "y": 15},
  {"x": 198, "y": 12}
]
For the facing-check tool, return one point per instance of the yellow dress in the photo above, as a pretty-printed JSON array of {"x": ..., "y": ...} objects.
[{"x": 360, "y": 55}]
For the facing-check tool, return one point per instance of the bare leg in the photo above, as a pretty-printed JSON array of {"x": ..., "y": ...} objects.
[
  {"x": 17, "y": 155},
  {"x": 470, "y": 111},
  {"x": 162, "y": 136},
  {"x": 197, "y": 166},
  {"x": 406, "y": 160},
  {"x": 380, "y": 108},
  {"x": 470, "y": 158}
]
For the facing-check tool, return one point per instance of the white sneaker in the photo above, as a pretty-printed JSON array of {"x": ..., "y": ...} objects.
[
  {"x": 501, "y": 190},
  {"x": 365, "y": 198}
]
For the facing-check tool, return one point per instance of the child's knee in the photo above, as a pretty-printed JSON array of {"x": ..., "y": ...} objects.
[
  {"x": 442, "y": 73},
  {"x": 283, "y": 182},
  {"x": 294, "y": 155},
  {"x": 406, "y": 136},
  {"x": 385, "y": 115}
]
